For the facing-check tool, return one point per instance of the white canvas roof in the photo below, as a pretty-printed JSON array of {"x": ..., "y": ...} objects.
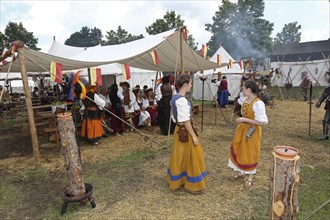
[{"x": 136, "y": 54}]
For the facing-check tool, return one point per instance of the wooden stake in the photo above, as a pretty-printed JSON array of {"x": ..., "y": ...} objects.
[
  {"x": 33, "y": 130},
  {"x": 283, "y": 199},
  {"x": 70, "y": 152}
]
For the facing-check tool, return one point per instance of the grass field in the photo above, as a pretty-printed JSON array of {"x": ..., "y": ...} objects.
[{"x": 128, "y": 173}]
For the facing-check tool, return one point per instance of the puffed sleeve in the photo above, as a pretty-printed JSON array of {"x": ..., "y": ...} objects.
[
  {"x": 259, "y": 110},
  {"x": 183, "y": 109},
  {"x": 120, "y": 93},
  {"x": 98, "y": 101}
]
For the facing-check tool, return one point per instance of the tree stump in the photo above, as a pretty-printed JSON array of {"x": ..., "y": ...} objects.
[
  {"x": 69, "y": 150},
  {"x": 285, "y": 172}
]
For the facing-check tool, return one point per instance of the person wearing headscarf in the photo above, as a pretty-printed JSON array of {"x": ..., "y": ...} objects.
[{"x": 93, "y": 105}]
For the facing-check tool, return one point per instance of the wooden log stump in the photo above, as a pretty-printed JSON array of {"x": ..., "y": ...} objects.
[
  {"x": 69, "y": 150},
  {"x": 285, "y": 173}
]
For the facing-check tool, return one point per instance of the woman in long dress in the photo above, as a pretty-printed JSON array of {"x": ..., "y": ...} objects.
[
  {"x": 245, "y": 146},
  {"x": 186, "y": 167},
  {"x": 92, "y": 127}
]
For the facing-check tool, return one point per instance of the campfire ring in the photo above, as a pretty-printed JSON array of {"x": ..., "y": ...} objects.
[{"x": 67, "y": 198}]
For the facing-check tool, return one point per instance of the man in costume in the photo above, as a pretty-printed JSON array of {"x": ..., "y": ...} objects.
[
  {"x": 305, "y": 85},
  {"x": 325, "y": 97}
]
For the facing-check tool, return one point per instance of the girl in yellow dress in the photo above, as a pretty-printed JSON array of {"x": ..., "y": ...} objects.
[
  {"x": 245, "y": 146},
  {"x": 186, "y": 166}
]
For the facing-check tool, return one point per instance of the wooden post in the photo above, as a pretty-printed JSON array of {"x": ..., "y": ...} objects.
[
  {"x": 70, "y": 152},
  {"x": 33, "y": 130},
  {"x": 285, "y": 173},
  {"x": 181, "y": 50}
]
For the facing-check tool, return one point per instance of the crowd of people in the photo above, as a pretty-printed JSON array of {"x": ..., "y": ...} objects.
[{"x": 121, "y": 108}]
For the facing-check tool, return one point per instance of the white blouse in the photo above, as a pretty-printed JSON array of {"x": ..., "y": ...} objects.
[
  {"x": 183, "y": 109},
  {"x": 259, "y": 110}
]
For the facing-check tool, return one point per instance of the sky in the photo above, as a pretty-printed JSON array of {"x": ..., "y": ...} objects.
[{"x": 62, "y": 18}]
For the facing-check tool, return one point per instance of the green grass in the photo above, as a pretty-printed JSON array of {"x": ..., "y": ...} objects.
[
  {"x": 106, "y": 177},
  {"x": 9, "y": 195},
  {"x": 314, "y": 190}
]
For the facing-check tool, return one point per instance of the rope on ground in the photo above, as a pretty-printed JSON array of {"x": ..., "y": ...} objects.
[
  {"x": 317, "y": 209},
  {"x": 146, "y": 137}
]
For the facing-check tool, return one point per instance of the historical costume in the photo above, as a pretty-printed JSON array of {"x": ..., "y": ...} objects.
[
  {"x": 305, "y": 85},
  {"x": 222, "y": 92},
  {"x": 128, "y": 101},
  {"x": 245, "y": 146},
  {"x": 152, "y": 106},
  {"x": 326, "y": 98},
  {"x": 164, "y": 107},
  {"x": 186, "y": 166},
  {"x": 92, "y": 127},
  {"x": 117, "y": 124},
  {"x": 143, "y": 115}
]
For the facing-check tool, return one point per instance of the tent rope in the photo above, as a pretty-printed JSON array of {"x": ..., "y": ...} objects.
[{"x": 317, "y": 209}]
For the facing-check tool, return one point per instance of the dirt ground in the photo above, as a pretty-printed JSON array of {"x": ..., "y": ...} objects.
[{"x": 128, "y": 172}]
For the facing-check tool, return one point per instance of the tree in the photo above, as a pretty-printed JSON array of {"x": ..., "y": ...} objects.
[
  {"x": 168, "y": 22},
  {"x": 86, "y": 37},
  {"x": 240, "y": 28},
  {"x": 290, "y": 34},
  {"x": 119, "y": 37},
  {"x": 14, "y": 32}
]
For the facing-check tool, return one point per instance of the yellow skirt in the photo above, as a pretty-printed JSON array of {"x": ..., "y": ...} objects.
[
  {"x": 245, "y": 153},
  {"x": 186, "y": 167}
]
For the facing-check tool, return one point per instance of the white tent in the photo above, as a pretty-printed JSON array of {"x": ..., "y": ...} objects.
[
  {"x": 293, "y": 59},
  {"x": 291, "y": 72},
  {"x": 169, "y": 45},
  {"x": 233, "y": 75}
]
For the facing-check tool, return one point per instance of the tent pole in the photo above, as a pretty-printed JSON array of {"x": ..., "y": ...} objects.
[
  {"x": 33, "y": 130},
  {"x": 181, "y": 50}
]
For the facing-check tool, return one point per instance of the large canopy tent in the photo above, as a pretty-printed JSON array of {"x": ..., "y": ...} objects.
[
  {"x": 293, "y": 59},
  {"x": 110, "y": 72},
  {"x": 233, "y": 74},
  {"x": 174, "y": 54},
  {"x": 173, "y": 51}
]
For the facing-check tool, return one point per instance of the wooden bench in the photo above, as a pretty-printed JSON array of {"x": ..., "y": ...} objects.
[{"x": 53, "y": 135}]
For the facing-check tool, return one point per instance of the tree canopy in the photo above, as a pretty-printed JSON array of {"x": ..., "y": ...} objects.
[
  {"x": 168, "y": 22},
  {"x": 120, "y": 36},
  {"x": 240, "y": 29},
  {"x": 86, "y": 37},
  {"x": 16, "y": 31},
  {"x": 290, "y": 34}
]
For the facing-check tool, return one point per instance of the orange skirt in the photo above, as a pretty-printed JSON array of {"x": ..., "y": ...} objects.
[{"x": 94, "y": 129}]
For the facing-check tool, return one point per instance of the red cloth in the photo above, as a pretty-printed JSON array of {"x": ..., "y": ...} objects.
[{"x": 223, "y": 85}]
